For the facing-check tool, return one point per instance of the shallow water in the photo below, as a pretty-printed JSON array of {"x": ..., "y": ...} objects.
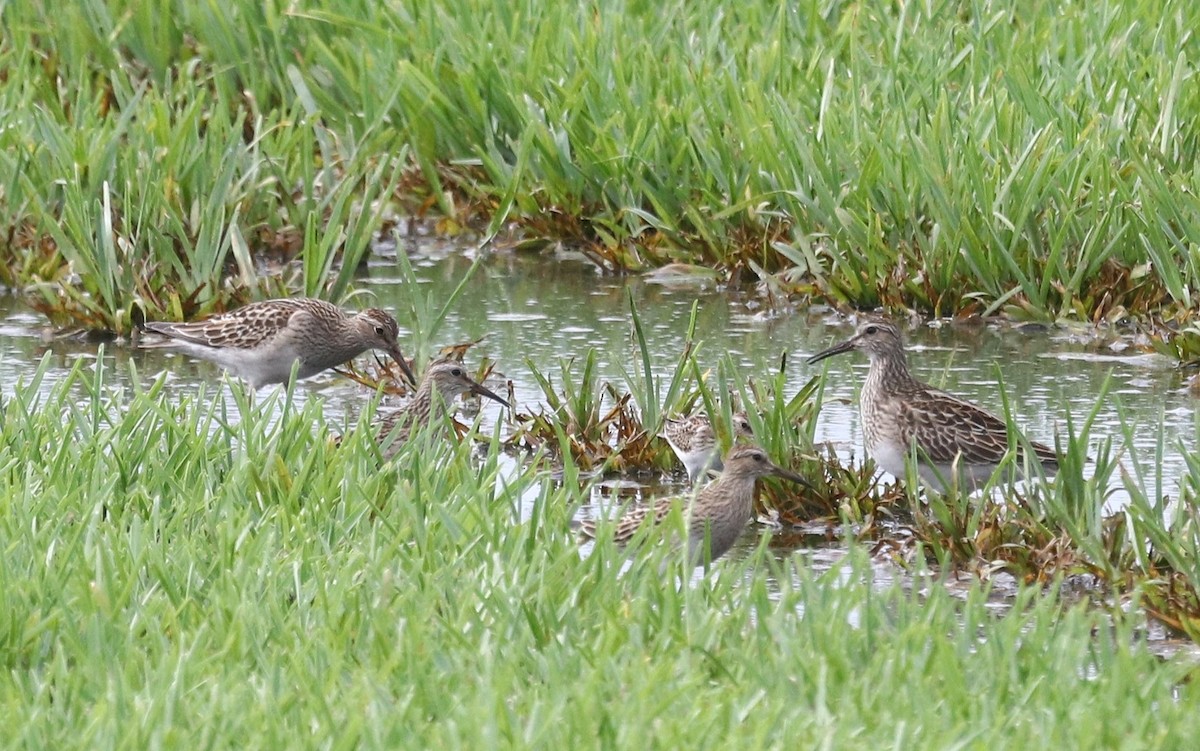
[{"x": 544, "y": 310}]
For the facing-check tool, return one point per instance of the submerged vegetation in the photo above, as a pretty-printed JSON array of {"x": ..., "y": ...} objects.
[{"x": 950, "y": 157}]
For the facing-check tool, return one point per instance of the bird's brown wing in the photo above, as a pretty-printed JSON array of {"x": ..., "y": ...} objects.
[
  {"x": 248, "y": 327},
  {"x": 632, "y": 520},
  {"x": 397, "y": 421},
  {"x": 944, "y": 427}
]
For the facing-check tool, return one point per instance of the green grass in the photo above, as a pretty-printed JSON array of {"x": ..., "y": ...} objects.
[
  {"x": 949, "y": 156},
  {"x": 176, "y": 575}
]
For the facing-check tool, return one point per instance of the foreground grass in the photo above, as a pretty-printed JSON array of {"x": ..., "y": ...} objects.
[
  {"x": 949, "y": 156},
  {"x": 176, "y": 575}
]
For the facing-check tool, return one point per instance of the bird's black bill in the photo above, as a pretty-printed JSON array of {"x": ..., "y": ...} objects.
[
  {"x": 485, "y": 391},
  {"x": 836, "y": 349},
  {"x": 398, "y": 356},
  {"x": 789, "y": 475}
]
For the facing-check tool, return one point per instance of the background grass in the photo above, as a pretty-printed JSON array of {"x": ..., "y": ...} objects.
[
  {"x": 950, "y": 156},
  {"x": 204, "y": 578}
]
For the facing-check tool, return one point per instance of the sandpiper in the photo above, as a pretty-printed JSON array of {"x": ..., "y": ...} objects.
[
  {"x": 717, "y": 515},
  {"x": 261, "y": 341},
  {"x": 900, "y": 413},
  {"x": 442, "y": 382},
  {"x": 694, "y": 441}
]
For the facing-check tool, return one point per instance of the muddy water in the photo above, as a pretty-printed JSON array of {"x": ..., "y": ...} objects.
[{"x": 545, "y": 309}]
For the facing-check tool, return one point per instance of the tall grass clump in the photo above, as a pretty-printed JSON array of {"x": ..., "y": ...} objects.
[
  {"x": 1164, "y": 537},
  {"x": 949, "y": 156},
  {"x": 171, "y": 190},
  {"x": 195, "y": 574},
  {"x": 617, "y": 425}
]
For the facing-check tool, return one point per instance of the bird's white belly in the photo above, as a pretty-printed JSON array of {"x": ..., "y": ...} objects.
[
  {"x": 261, "y": 366},
  {"x": 890, "y": 456}
]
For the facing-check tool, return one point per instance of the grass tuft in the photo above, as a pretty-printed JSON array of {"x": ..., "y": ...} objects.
[{"x": 974, "y": 161}]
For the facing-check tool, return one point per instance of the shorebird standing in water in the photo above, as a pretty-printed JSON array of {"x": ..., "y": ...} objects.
[
  {"x": 899, "y": 413},
  {"x": 261, "y": 341},
  {"x": 718, "y": 513},
  {"x": 441, "y": 384},
  {"x": 694, "y": 441}
]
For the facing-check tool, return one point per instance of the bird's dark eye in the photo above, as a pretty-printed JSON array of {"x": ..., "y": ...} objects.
[
  {"x": 759, "y": 458},
  {"x": 457, "y": 372},
  {"x": 872, "y": 329},
  {"x": 381, "y": 331}
]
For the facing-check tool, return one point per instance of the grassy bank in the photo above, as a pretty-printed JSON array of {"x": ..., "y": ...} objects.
[
  {"x": 179, "y": 575},
  {"x": 949, "y": 156}
]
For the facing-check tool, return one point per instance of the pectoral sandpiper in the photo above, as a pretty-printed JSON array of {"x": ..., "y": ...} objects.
[
  {"x": 717, "y": 515},
  {"x": 261, "y": 341},
  {"x": 900, "y": 413},
  {"x": 442, "y": 382},
  {"x": 694, "y": 441}
]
